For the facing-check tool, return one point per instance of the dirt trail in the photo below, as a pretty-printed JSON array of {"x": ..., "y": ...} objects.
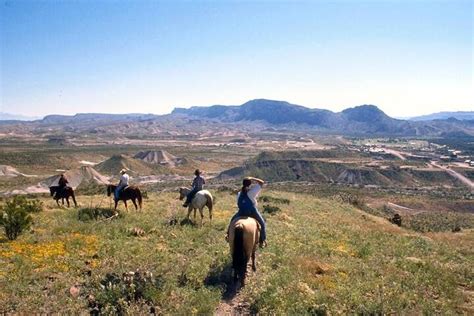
[
  {"x": 396, "y": 153},
  {"x": 404, "y": 208},
  {"x": 232, "y": 304},
  {"x": 456, "y": 175}
]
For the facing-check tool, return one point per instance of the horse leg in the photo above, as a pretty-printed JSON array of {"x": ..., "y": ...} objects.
[
  {"x": 135, "y": 203},
  {"x": 67, "y": 200},
  {"x": 126, "y": 207},
  {"x": 74, "y": 199},
  {"x": 202, "y": 215},
  {"x": 254, "y": 266},
  {"x": 57, "y": 202},
  {"x": 242, "y": 279},
  {"x": 189, "y": 212},
  {"x": 116, "y": 202}
]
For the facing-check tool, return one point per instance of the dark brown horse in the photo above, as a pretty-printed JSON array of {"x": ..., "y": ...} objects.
[
  {"x": 129, "y": 193},
  {"x": 62, "y": 193}
]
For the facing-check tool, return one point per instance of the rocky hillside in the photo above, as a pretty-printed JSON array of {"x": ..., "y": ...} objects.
[
  {"x": 306, "y": 166},
  {"x": 80, "y": 176},
  {"x": 159, "y": 157},
  {"x": 114, "y": 164}
]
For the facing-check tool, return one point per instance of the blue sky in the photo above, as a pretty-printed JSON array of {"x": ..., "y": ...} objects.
[{"x": 407, "y": 57}]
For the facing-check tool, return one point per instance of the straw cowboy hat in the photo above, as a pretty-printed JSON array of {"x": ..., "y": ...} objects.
[{"x": 123, "y": 171}]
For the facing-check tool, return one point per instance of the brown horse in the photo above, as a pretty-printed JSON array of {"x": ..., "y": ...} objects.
[
  {"x": 62, "y": 193},
  {"x": 129, "y": 193},
  {"x": 244, "y": 233}
]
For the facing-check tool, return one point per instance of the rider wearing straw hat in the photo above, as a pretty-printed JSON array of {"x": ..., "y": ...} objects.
[{"x": 122, "y": 184}]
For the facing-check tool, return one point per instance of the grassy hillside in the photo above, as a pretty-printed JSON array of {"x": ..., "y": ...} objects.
[{"x": 323, "y": 256}]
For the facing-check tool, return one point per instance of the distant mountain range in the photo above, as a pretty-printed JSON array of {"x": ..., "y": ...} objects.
[
  {"x": 364, "y": 119},
  {"x": 460, "y": 115},
  {"x": 15, "y": 117},
  {"x": 361, "y": 120}
]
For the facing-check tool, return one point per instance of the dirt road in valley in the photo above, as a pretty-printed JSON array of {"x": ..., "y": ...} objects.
[
  {"x": 396, "y": 153},
  {"x": 456, "y": 175}
]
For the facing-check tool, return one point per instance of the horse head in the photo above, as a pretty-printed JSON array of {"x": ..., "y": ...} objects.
[
  {"x": 183, "y": 192},
  {"x": 52, "y": 190}
]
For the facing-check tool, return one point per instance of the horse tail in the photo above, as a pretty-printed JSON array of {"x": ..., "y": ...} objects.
[
  {"x": 139, "y": 197},
  {"x": 210, "y": 202},
  {"x": 239, "y": 256}
]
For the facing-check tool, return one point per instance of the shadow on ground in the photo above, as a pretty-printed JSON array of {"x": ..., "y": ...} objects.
[
  {"x": 187, "y": 222},
  {"x": 221, "y": 276}
]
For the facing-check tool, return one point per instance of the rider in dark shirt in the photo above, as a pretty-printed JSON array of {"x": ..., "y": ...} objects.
[
  {"x": 198, "y": 184},
  {"x": 62, "y": 183}
]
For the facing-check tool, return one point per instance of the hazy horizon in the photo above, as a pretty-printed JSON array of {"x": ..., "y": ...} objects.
[{"x": 408, "y": 58}]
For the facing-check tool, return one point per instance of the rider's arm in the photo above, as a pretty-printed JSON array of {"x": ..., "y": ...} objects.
[
  {"x": 259, "y": 181},
  {"x": 253, "y": 192}
]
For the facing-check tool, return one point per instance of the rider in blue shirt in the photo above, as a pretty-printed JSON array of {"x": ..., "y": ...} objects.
[{"x": 247, "y": 204}]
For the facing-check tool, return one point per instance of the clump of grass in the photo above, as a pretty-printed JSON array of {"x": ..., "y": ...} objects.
[
  {"x": 271, "y": 209},
  {"x": 95, "y": 213},
  {"x": 226, "y": 188},
  {"x": 356, "y": 200},
  {"x": 114, "y": 293},
  {"x": 271, "y": 199}
]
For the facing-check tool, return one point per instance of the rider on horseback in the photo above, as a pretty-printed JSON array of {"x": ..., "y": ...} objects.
[
  {"x": 122, "y": 184},
  {"x": 198, "y": 184},
  {"x": 247, "y": 203},
  {"x": 62, "y": 184}
]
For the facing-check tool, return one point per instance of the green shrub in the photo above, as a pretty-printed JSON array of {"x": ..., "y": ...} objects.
[
  {"x": 115, "y": 293},
  {"x": 271, "y": 209},
  {"x": 271, "y": 199},
  {"x": 15, "y": 217},
  {"x": 30, "y": 205}
]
